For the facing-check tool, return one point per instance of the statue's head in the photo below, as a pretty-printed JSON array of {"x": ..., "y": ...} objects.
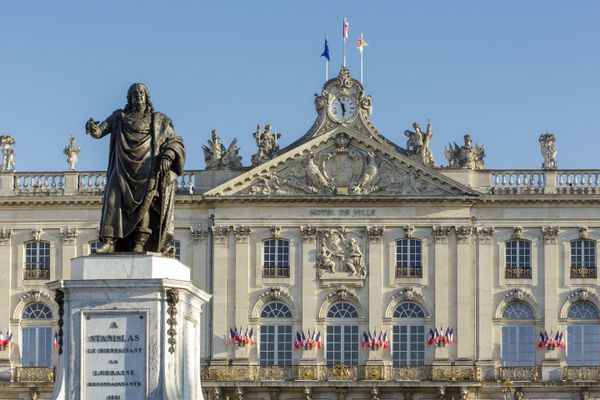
[
  {"x": 468, "y": 140},
  {"x": 138, "y": 98},
  {"x": 215, "y": 136}
]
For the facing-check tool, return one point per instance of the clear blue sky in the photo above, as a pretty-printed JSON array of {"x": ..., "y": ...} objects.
[{"x": 503, "y": 71}]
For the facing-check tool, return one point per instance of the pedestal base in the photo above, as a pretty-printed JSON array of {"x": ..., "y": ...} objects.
[{"x": 131, "y": 329}]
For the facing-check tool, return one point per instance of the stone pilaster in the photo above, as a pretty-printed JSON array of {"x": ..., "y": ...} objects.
[
  {"x": 550, "y": 270},
  {"x": 68, "y": 237},
  {"x": 242, "y": 282},
  {"x": 464, "y": 295},
  {"x": 485, "y": 279},
  {"x": 375, "y": 281},
  {"x": 201, "y": 275},
  {"x": 309, "y": 287},
  {"x": 5, "y": 288},
  {"x": 441, "y": 279},
  {"x": 220, "y": 320}
]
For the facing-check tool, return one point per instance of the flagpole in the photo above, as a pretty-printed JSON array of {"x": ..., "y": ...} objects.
[
  {"x": 361, "y": 65},
  {"x": 326, "y": 70}
]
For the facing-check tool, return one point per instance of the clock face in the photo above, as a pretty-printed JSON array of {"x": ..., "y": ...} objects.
[{"x": 343, "y": 108}]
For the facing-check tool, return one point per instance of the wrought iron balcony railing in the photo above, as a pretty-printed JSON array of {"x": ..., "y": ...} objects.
[
  {"x": 409, "y": 272},
  {"x": 36, "y": 274},
  {"x": 518, "y": 273},
  {"x": 583, "y": 272},
  {"x": 34, "y": 374},
  {"x": 519, "y": 374}
]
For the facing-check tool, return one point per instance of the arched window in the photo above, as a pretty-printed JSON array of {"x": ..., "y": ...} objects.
[
  {"x": 518, "y": 336},
  {"x": 583, "y": 259},
  {"x": 177, "y": 248},
  {"x": 408, "y": 342},
  {"x": 276, "y": 256},
  {"x": 36, "y": 336},
  {"x": 583, "y": 334},
  {"x": 276, "y": 335},
  {"x": 518, "y": 259},
  {"x": 409, "y": 258},
  {"x": 37, "y": 260},
  {"x": 342, "y": 334}
]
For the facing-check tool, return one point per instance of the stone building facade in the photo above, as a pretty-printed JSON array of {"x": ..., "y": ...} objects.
[{"x": 343, "y": 234}]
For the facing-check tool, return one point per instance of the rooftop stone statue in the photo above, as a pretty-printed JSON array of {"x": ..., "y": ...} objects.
[{"x": 146, "y": 156}]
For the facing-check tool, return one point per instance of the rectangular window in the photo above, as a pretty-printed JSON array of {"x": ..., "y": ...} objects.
[
  {"x": 342, "y": 345},
  {"x": 409, "y": 258},
  {"x": 408, "y": 345},
  {"x": 37, "y": 260},
  {"x": 518, "y": 346},
  {"x": 583, "y": 345},
  {"x": 37, "y": 347},
  {"x": 276, "y": 258},
  {"x": 276, "y": 345},
  {"x": 583, "y": 259},
  {"x": 518, "y": 259}
]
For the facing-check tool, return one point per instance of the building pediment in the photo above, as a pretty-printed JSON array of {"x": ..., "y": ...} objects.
[{"x": 341, "y": 163}]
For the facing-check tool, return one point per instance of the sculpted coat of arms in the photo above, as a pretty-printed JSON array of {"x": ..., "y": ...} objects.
[{"x": 342, "y": 170}]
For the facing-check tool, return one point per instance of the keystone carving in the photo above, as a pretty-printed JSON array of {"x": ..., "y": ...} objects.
[
  {"x": 409, "y": 231},
  {"x": 37, "y": 234},
  {"x": 276, "y": 231},
  {"x": 517, "y": 233},
  {"x": 583, "y": 233},
  {"x": 5, "y": 235}
]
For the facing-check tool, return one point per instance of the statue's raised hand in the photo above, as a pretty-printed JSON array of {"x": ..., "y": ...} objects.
[{"x": 92, "y": 128}]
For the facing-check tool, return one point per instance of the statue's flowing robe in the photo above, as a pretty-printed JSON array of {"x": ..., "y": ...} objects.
[{"x": 134, "y": 186}]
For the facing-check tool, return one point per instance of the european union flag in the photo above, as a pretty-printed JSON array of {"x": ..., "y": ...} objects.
[{"x": 326, "y": 51}]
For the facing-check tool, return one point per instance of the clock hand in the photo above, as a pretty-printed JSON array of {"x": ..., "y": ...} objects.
[{"x": 343, "y": 108}]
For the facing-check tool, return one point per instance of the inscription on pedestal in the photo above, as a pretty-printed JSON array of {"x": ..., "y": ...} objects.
[{"x": 114, "y": 355}]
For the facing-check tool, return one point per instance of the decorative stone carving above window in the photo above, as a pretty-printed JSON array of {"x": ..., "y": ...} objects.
[
  {"x": 517, "y": 294},
  {"x": 5, "y": 235},
  {"x": 409, "y": 231},
  {"x": 309, "y": 233},
  {"x": 375, "y": 233},
  {"x": 550, "y": 234},
  {"x": 440, "y": 233},
  {"x": 582, "y": 295},
  {"x": 583, "y": 233},
  {"x": 276, "y": 231},
  {"x": 37, "y": 234},
  {"x": 69, "y": 234},
  {"x": 485, "y": 234},
  {"x": 463, "y": 233},
  {"x": 340, "y": 256},
  {"x": 517, "y": 233},
  {"x": 277, "y": 294},
  {"x": 242, "y": 233},
  {"x": 198, "y": 233}
]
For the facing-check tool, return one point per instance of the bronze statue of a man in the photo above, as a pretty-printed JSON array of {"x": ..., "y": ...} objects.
[{"x": 146, "y": 156}]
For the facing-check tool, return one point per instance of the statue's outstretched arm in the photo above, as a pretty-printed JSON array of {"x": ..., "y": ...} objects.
[{"x": 97, "y": 129}]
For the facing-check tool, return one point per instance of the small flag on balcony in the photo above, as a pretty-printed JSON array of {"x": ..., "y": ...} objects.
[
  {"x": 365, "y": 340},
  {"x": 55, "y": 343},
  {"x": 450, "y": 336},
  {"x": 431, "y": 337},
  {"x": 541, "y": 341},
  {"x": 318, "y": 339},
  {"x": 3, "y": 340}
]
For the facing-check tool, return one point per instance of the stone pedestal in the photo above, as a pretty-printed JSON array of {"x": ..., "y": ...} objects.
[{"x": 131, "y": 329}]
